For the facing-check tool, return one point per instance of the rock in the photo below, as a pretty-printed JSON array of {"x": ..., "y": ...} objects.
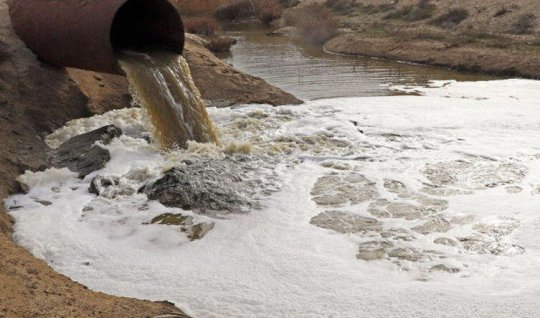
[
  {"x": 80, "y": 154},
  {"x": 198, "y": 231},
  {"x": 200, "y": 188},
  {"x": 172, "y": 219},
  {"x": 185, "y": 222},
  {"x": 344, "y": 222}
]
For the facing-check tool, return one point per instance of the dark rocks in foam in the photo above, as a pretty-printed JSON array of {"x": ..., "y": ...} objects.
[
  {"x": 205, "y": 187},
  {"x": 81, "y": 154}
]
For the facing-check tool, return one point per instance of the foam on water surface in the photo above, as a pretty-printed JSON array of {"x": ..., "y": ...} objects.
[{"x": 416, "y": 206}]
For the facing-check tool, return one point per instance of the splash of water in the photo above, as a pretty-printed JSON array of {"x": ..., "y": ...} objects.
[{"x": 161, "y": 83}]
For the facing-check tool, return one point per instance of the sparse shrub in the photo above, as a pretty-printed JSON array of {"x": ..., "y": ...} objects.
[
  {"x": 315, "y": 22},
  {"x": 198, "y": 7},
  {"x": 372, "y": 9},
  {"x": 206, "y": 26},
  {"x": 524, "y": 24},
  {"x": 3, "y": 51},
  {"x": 451, "y": 19},
  {"x": 502, "y": 11},
  {"x": 235, "y": 10},
  {"x": 220, "y": 44},
  {"x": 289, "y": 3},
  {"x": 421, "y": 11},
  {"x": 341, "y": 6},
  {"x": 269, "y": 10},
  {"x": 535, "y": 42}
]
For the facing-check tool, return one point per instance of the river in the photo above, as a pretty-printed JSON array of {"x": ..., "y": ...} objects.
[{"x": 310, "y": 73}]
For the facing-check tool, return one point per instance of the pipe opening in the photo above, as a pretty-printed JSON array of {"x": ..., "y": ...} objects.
[{"x": 147, "y": 23}]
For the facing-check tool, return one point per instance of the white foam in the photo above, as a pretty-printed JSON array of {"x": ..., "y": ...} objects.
[{"x": 272, "y": 262}]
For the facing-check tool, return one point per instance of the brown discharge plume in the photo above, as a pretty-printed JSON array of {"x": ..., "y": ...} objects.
[{"x": 161, "y": 82}]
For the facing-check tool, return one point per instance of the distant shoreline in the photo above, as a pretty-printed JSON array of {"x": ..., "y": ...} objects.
[{"x": 518, "y": 61}]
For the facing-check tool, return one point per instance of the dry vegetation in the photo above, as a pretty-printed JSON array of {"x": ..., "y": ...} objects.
[
  {"x": 205, "y": 26},
  {"x": 198, "y": 16},
  {"x": 315, "y": 22},
  {"x": 318, "y": 20},
  {"x": 524, "y": 24},
  {"x": 342, "y": 6},
  {"x": 3, "y": 51},
  {"x": 451, "y": 18},
  {"x": 269, "y": 10},
  {"x": 420, "y": 11}
]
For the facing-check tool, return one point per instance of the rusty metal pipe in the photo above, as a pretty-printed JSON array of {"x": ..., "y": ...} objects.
[{"x": 86, "y": 34}]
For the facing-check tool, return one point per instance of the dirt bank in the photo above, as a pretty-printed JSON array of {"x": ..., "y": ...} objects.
[
  {"x": 518, "y": 62},
  {"x": 36, "y": 99},
  {"x": 220, "y": 84},
  {"x": 490, "y": 36}
]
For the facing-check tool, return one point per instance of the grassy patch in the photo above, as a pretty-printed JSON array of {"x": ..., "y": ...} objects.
[
  {"x": 4, "y": 54},
  {"x": 537, "y": 39},
  {"x": 502, "y": 11},
  {"x": 451, "y": 19},
  {"x": 341, "y": 6},
  {"x": 422, "y": 10},
  {"x": 198, "y": 7},
  {"x": 373, "y": 9},
  {"x": 523, "y": 24},
  {"x": 236, "y": 10}
]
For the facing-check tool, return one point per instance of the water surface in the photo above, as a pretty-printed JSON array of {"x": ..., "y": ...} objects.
[{"x": 310, "y": 73}]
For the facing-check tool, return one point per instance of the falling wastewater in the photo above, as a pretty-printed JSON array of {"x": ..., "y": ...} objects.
[{"x": 161, "y": 83}]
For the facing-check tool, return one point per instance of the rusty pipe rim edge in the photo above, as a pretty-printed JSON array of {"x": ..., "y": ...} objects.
[{"x": 86, "y": 33}]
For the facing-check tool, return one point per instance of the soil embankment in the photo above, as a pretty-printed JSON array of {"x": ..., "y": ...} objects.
[
  {"x": 36, "y": 99},
  {"x": 220, "y": 84},
  {"x": 495, "y": 37}
]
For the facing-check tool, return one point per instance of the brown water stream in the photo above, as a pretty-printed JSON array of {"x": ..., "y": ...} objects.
[
  {"x": 161, "y": 83},
  {"x": 310, "y": 73}
]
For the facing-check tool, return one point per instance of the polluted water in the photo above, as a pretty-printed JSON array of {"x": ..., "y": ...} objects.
[{"x": 161, "y": 83}]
